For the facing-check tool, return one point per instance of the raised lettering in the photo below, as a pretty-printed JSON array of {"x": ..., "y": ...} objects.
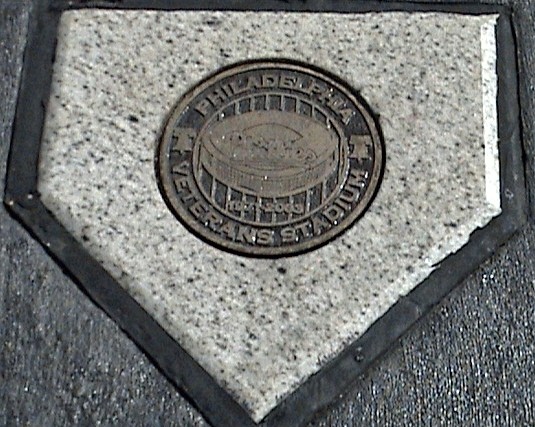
[
  {"x": 333, "y": 213},
  {"x": 246, "y": 234},
  {"x": 318, "y": 225},
  {"x": 303, "y": 228},
  {"x": 360, "y": 147},
  {"x": 217, "y": 97},
  {"x": 213, "y": 220},
  {"x": 203, "y": 107},
  {"x": 253, "y": 83},
  {"x": 182, "y": 168},
  {"x": 264, "y": 237},
  {"x": 288, "y": 234},
  {"x": 287, "y": 82},
  {"x": 236, "y": 88},
  {"x": 229, "y": 230},
  {"x": 269, "y": 80},
  {"x": 198, "y": 209},
  {"x": 346, "y": 114}
]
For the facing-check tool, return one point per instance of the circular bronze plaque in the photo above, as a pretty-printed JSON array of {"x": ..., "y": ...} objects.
[{"x": 270, "y": 158}]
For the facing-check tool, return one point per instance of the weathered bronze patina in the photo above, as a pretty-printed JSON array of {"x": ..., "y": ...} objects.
[{"x": 269, "y": 158}]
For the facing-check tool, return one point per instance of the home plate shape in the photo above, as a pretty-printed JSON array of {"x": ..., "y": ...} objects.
[{"x": 268, "y": 339}]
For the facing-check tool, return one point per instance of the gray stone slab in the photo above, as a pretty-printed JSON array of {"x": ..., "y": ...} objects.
[
  {"x": 258, "y": 331},
  {"x": 62, "y": 361},
  {"x": 469, "y": 364}
]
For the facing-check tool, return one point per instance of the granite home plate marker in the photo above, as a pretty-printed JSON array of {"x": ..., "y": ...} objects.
[{"x": 270, "y": 158}]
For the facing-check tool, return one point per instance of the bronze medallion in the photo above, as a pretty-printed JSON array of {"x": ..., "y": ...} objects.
[{"x": 270, "y": 158}]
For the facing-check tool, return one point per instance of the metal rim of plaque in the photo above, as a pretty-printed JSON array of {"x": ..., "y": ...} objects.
[
  {"x": 321, "y": 390},
  {"x": 270, "y": 158}
]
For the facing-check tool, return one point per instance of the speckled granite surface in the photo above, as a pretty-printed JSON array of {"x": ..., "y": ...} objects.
[{"x": 261, "y": 327}]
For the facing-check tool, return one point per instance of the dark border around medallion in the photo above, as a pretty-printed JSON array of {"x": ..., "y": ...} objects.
[{"x": 323, "y": 388}]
